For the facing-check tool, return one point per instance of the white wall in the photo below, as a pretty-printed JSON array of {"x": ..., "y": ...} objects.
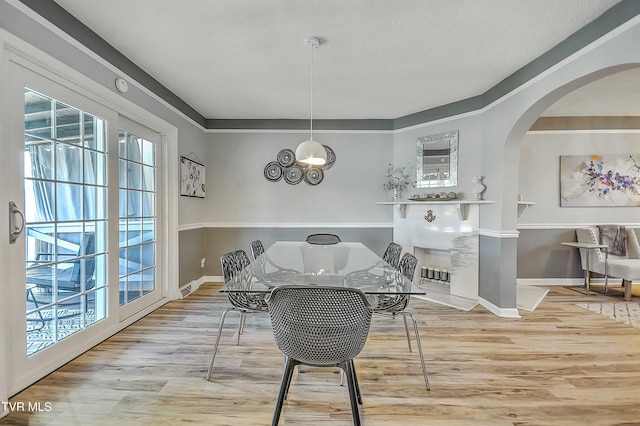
[
  {"x": 193, "y": 145},
  {"x": 469, "y": 149},
  {"x": 239, "y": 194},
  {"x": 539, "y": 178}
]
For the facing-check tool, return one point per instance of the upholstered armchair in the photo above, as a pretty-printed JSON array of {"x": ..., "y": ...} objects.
[{"x": 625, "y": 267}]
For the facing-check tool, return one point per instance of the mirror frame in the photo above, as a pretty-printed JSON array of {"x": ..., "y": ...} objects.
[{"x": 452, "y": 138}]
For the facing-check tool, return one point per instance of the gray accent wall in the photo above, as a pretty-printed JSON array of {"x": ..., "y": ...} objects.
[
  {"x": 542, "y": 255},
  {"x": 497, "y": 271},
  {"x": 192, "y": 250}
]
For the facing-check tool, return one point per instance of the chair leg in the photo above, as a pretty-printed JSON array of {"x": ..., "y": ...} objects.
[
  {"x": 355, "y": 381},
  {"x": 348, "y": 368},
  {"x": 406, "y": 330},
  {"x": 215, "y": 346},
  {"x": 286, "y": 391},
  {"x": 284, "y": 388},
  {"x": 241, "y": 326},
  {"x": 415, "y": 330},
  {"x": 627, "y": 284},
  {"x": 587, "y": 278}
]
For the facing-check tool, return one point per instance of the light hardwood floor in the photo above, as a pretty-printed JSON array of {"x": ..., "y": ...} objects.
[{"x": 559, "y": 365}]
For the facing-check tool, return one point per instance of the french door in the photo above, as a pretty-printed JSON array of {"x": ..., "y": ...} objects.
[
  {"x": 83, "y": 184},
  {"x": 138, "y": 231}
]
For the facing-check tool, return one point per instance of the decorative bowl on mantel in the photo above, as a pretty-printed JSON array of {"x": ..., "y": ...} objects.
[{"x": 443, "y": 196}]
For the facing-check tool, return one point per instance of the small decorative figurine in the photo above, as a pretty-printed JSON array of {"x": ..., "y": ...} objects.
[{"x": 478, "y": 187}]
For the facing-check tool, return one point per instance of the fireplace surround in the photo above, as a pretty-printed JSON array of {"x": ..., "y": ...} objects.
[{"x": 443, "y": 235}]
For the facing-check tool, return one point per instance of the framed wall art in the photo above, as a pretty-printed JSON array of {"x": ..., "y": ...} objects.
[
  {"x": 191, "y": 178},
  {"x": 600, "y": 180}
]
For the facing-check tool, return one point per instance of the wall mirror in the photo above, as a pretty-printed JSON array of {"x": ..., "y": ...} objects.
[{"x": 437, "y": 162}]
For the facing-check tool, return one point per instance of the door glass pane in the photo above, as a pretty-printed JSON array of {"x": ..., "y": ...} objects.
[
  {"x": 137, "y": 176},
  {"x": 65, "y": 215}
]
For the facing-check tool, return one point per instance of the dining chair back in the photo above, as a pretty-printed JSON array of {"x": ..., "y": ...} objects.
[
  {"x": 257, "y": 248},
  {"x": 392, "y": 254},
  {"x": 323, "y": 239},
  {"x": 265, "y": 270},
  {"x": 319, "y": 326},
  {"x": 232, "y": 263}
]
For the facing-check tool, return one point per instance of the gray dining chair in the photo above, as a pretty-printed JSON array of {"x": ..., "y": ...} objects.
[
  {"x": 395, "y": 305},
  {"x": 321, "y": 327},
  {"x": 276, "y": 274},
  {"x": 234, "y": 266},
  {"x": 392, "y": 254},
  {"x": 257, "y": 248},
  {"x": 323, "y": 239}
]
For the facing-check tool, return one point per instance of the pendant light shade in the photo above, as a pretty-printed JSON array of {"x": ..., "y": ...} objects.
[{"x": 309, "y": 151}]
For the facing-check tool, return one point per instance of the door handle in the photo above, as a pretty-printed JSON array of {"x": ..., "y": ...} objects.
[{"x": 15, "y": 229}]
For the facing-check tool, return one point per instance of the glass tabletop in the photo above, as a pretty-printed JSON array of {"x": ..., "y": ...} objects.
[{"x": 346, "y": 264}]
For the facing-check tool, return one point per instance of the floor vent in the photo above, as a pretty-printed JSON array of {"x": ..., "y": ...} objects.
[{"x": 185, "y": 290}]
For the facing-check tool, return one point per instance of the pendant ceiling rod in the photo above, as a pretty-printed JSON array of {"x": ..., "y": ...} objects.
[{"x": 313, "y": 43}]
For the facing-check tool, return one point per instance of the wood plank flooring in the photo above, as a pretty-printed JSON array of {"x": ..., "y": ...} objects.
[{"x": 558, "y": 365}]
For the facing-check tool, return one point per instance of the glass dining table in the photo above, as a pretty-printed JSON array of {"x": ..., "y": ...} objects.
[{"x": 345, "y": 264}]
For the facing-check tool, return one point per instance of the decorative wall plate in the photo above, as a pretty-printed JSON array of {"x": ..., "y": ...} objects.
[
  {"x": 286, "y": 158},
  {"x": 313, "y": 175},
  {"x": 273, "y": 171},
  {"x": 293, "y": 175},
  {"x": 331, "y": 158}
]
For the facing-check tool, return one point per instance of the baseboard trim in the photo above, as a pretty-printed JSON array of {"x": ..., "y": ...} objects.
[
  {"x": 564, "y": 282},
  {"x": 188, "y": 289},
  {"x": 498, "y": 311}
]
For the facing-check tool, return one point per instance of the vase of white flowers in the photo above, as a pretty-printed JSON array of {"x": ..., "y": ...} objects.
[{"x": 398, "y": 180}]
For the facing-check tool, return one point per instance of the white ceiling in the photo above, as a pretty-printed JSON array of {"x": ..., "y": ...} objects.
[{"x": 246, "y": 59}]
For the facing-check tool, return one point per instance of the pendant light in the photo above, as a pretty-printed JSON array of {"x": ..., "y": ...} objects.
[{"x": 311, "y": 152}]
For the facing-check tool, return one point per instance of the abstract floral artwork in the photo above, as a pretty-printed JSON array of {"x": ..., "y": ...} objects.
[{"x": 599, "y": 180}]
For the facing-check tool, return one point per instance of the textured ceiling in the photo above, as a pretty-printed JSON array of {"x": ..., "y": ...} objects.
[{"x": 245, "y": 59}]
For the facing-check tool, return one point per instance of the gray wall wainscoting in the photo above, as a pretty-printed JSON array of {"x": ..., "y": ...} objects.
[{"x": 218, "y": 241}]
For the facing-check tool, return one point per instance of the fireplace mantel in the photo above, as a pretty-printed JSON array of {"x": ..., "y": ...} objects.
[{"x": 461, "y": 205}]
